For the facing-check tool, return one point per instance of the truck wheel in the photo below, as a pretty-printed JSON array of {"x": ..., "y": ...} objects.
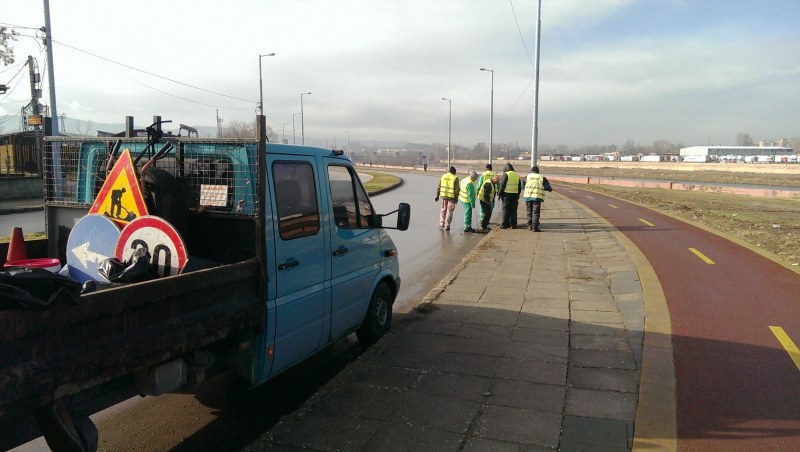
[{"x": 379, "y": 316}]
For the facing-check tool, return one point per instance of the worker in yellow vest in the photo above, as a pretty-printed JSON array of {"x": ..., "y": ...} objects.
[
  {"x": 487, "y": 175},
  {"x": 467, "y": 196},
  {"x": 447, "y": 191},
  {"x": 486, "y": 192},
  {"x": 536, "y": 186},
  {"x": 508, "y": 190}
]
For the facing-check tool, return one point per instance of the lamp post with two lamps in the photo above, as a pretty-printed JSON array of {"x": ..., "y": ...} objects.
[
  {"x": 302, "y": 120},
  {"x": 449, "y": 129},
  {"x": 261, "y": 84},
  {"x": 491, "y": 115}
]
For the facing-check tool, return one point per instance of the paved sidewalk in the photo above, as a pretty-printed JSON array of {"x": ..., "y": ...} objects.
[{"x": 535, "y": 342}]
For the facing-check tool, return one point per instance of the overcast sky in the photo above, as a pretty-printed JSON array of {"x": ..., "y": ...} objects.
[{"x": 686, "y": 71}]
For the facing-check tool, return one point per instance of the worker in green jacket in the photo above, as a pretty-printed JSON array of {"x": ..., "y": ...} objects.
[{"x": 466, "y": 195}]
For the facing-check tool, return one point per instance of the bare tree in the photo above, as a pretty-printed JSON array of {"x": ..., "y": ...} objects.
[
  {"x": 794, "y": 143},
  {"x": 82, "y": 128},
  {"x": 662, "y": 147},
  {"x": 629, "y": 148},
  {"x": 743, "y": 139},
  {"x": 6, "y": 52},
  {"x": 243, "y": 129},
  {"x": 239, "y": 129}
]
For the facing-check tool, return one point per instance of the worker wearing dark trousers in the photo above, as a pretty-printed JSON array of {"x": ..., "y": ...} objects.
[
  {"x": 535, "y": 187},
  {"x": 486, "y": 194},
  {"x": 508, "y": 191}
]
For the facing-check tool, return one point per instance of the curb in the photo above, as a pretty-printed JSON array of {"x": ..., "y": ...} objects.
[{"x": 21, "y": 209}]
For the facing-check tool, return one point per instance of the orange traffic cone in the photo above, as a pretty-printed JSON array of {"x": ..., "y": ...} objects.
[{"x": 16, "y": 247}]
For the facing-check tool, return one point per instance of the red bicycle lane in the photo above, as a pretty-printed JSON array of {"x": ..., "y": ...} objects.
[{"x": 737, "y": 386}]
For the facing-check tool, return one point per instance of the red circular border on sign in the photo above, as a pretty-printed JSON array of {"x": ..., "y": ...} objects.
[{"x": 157, "y": 223}]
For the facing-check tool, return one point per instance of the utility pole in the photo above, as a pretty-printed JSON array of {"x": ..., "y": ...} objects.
[
  {"x": 58, "y": 181},
  {"x": 219, "y": 125},
  {"x": 35, "y": 117},
  {"x": 535, "y": 137}
]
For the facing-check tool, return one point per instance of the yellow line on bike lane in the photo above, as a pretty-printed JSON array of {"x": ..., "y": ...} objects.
[
  {"x": 646, "y": 222},
  {"x": 787, "y": 344},
  {"x": 701, "y": 256}
]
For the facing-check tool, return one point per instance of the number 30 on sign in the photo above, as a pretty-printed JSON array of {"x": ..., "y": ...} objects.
[{"x": 161, "y": 240}]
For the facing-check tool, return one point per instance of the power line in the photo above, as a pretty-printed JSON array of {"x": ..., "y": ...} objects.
[
  {"x": 152, "y": 74},
  {"x": 10, "y": 117},
  {"x": 17, "y": 26},
  {"x": 13, "y": 66},
  {"x": 15, "y": 76},
  {"x": 524, "y": 45}
]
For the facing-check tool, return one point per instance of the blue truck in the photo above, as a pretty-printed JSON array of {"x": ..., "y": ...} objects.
[{"x": 286, "y": 256}]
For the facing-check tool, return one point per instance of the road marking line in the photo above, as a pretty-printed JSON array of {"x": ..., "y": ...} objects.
[
  {"x": 701, "y": 256},
  {"x": 612, "y": 205},
  {"x": 589, "y": 197},
  {"x": 646, "y": 222},
  {"x": 787, "y": 344}
]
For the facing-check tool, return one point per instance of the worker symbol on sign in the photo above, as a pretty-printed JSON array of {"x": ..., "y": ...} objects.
[
  {"x": 120, "y": 198},
  {"x": 116, "y": 206}
]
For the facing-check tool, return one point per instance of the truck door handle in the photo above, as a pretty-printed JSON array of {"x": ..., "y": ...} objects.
[
  {"x": 289, "y": 264},
  {"x": 341, "y": 250}
]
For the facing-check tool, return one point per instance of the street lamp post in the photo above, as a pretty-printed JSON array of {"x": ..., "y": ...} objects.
[
  {"x": 491, "y": 115},
  {"x": 294, "y": 137},
  {"x": 302, "y": 121},
  {"x": 347, "y": 150},
  {"x": 449, "y": 128},
  {"x": 261, "y": 84},
  {"x": 283, "y": 133},
  {"x": 535, "y": 138}
]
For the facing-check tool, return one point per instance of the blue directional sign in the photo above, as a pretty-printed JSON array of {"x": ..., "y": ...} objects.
[{"x": 92, "y": 240}]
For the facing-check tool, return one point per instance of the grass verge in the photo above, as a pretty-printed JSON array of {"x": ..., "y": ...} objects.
[{"x": 380, "y": 181}]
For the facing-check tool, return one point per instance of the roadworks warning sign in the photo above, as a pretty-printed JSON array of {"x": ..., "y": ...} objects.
[{"x": 120, "y": 198}]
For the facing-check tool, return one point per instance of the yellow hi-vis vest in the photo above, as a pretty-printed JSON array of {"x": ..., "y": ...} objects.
[
  {"x": 447, "y": 186},
  {"x": 487, "y": 175},
  {"x": 534, "y": 186},
  {"x": 463, "y": 194},
  {"x": 481, "y": 196},
  {"x": 512, "y": 185}
]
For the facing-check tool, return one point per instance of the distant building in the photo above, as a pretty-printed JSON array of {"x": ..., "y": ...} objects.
[{"x": 718, "y": 152}]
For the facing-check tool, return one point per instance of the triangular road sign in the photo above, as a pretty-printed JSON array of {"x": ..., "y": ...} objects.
[{"x": 120, "y": 198}]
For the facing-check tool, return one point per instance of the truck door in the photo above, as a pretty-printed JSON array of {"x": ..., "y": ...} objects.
[
  {"x": 300, "y": 264},
  {"x": 355, "y": 248}
]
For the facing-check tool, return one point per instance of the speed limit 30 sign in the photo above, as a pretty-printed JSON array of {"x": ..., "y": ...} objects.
[{"x": 161, "y": 239}]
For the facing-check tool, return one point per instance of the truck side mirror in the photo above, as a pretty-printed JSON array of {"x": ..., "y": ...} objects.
[{"x": 403, "y": 216}]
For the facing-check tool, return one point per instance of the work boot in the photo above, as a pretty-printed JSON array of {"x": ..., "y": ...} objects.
[{"x": 469, "y": 229}]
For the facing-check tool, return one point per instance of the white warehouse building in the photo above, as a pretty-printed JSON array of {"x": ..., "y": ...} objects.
[
  {"x": 716, "y": 152},
  {"x": 760, "y": 154}
]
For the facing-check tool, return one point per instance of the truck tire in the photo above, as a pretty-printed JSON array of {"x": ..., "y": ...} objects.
[{"x": 379, "y": 316}]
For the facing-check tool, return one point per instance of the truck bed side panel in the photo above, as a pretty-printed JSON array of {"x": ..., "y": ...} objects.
[{"x": 48, "y": 355}]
